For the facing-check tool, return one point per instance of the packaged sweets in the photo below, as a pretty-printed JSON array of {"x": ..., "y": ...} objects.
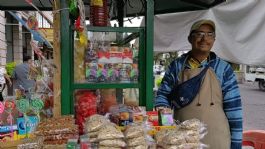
[
  {"x": 109, "y": 132},
  {"x": 101, "y": 73},
  {"x": 95, "y": 122},
  {"x": 91, "y": 72},
  {"x": 140, "y": 140},
  {"x": 113, "y": 143},
  {"x": 127, "y": 55},
  {"x": 133, "y": 131}
]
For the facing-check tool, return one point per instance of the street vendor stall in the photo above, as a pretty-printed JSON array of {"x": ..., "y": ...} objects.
[
  {"x": 99, "y": 70},
  {"x": 63, "y": 45}
]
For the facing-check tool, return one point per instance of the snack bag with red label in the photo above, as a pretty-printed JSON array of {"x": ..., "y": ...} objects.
[{"x": 153, "y": 117}]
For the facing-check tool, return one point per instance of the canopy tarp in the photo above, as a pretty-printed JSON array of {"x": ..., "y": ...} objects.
[
  {"x": 132, "y": 7},
  {"x": 240, "y": 30}
]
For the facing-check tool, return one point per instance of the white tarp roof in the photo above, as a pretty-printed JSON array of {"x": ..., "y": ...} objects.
[{"x": 240, "y": 30}]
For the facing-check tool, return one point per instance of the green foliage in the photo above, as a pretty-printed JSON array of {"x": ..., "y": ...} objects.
[
  {"x": 10, "y": 68},
  {"x": 170, "y": 56}
]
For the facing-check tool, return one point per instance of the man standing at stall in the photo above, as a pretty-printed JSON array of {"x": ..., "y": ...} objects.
[
  {"x": 22, "y": 76},
  {"x": 209, "y": 90}
]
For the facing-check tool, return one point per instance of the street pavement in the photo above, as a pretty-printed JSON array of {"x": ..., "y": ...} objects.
[{"x": 253, "y": 101}]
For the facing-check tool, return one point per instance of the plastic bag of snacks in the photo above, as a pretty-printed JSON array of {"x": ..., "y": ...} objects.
[
  {"x": 139, "y": 147},
  {"x": 160, "y": 135},
  {"x": 186, "y": 136},
  {"x": 107, "y": 147},
  {"x": 95, "y": 122},
  {"x": 140, "y": 140},
  {"x": 134, "y": 131},
  {"x": 109, "y": 132},
  {"x": 137, "y": 135},
  {"x": 36, "y": 143},
  {"x": 113, "y": 143},
  {"x": 175, "y": 138},
  {"x": 56, "y": 131},
  {"x": 186, "y": 146},
  {"x": 194, "y": 127}
]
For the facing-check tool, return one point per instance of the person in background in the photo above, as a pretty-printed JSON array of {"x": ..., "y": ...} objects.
[
  {"x": 22, "y": 76},
  {"x": 3, "y": 78},
  {"x": 217, "y": 102}
]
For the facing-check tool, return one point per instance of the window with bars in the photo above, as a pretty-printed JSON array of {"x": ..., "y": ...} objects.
[{"x": 43, "y": 23}]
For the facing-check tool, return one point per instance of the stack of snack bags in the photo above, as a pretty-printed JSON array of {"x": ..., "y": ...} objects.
[
  {"x": 104, "y": 133},
  {"x": 187, "y": 135},
  {"x": 137, "y": 137},
  {"x": 57, "y": 131},
  {"x": 32, "y": 143}
]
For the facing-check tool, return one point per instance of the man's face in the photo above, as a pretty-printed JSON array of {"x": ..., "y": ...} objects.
[
  {"x": 202, "y": 39},
  {"x": 30, "y": 62}
]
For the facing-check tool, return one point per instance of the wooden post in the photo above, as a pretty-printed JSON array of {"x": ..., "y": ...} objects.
[{"x": 57, "y": 60}]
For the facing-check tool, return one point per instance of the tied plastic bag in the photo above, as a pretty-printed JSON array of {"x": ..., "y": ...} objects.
[
  {"x": 36, "y": 143},
  {"x": 185, "y": 146},
  {"x": 134, "y": 131},
  {"x": 109, "y": 131},
  {"x": 113, "y": 143},
  {"x": 160, "y": 135},
  {"x": 137, "y": 135},
  {"x": 107, "y": 147},
  {"x": 187, "y": 135},
  {"x": 175, "y": 138},
  {"x": 95, "y": 122},
  {"x": 139, "y": 147},
  {"x": 137, "y": 141},
  {"x": 194, "y": 127}
]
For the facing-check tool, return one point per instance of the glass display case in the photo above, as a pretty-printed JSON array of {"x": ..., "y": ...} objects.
[{"x": 113, "y": 61}]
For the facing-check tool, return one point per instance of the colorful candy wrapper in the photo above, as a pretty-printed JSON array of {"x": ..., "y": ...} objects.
[
  {"x": 23, "y": 106},
  {"x": 2, "y": 109},
  {"x": 9, "y": 106},
  {"x": 36, "y": 106}
]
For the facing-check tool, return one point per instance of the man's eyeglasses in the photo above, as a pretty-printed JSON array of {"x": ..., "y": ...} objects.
[{"x": 204, "y": 34}]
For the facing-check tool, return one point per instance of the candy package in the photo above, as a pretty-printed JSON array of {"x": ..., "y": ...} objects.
[{"x": 85, "y": 106}]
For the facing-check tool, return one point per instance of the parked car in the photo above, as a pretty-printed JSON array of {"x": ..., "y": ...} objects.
[{"x": 256, "y": 75}]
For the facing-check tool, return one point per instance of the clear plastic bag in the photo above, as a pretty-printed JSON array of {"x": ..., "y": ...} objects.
[
  {"x": 109, "y": 132},
  {"x": 93, "y": 134},
  {"x": 107, "y": 147},
  {"x": 95, "y": 122},
  {"x": 139, "y": 147},
  {"x": 186, "y": 146},
  {"x": 36, "y": 143},
  {"x": 194, "y": 127},
  {"x": 137, "y": 135},
  {"x": 113, "y": 143},
  {"x": 174, "y": 138},
  {"x": 134, "y": 131},
  {"x": 137, "y": 141}
]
